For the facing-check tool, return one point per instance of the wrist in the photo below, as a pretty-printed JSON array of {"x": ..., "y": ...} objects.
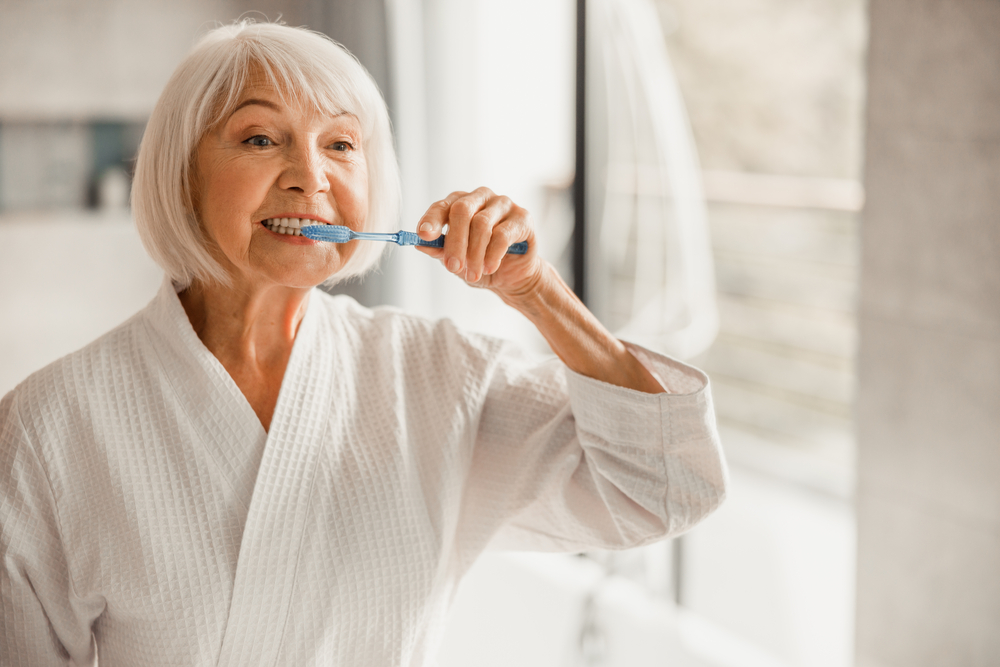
[{"x": 528, "y": 297}]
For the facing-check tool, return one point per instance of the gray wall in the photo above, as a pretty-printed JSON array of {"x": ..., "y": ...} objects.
[
  {"x": 929, "y": 396},
  {"x": 69, "y": 60},
  {"x": 77, "y": 82}
]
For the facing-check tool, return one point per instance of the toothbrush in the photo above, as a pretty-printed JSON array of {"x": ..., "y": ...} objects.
[{"x": 341, "y": 234}]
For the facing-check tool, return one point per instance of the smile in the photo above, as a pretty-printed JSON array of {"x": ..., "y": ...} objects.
[{"x": 289, "y": 226}]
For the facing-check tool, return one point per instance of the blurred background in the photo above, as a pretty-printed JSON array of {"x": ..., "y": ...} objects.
[{"x": 802, "y": 198}]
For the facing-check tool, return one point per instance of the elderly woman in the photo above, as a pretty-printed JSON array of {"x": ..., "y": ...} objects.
[{"x": 252, "y": 472}]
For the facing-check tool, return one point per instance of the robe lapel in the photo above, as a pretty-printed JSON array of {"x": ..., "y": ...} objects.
[
  {"x": 221, "y": 420},
  {"x": 280, "y": 504}
]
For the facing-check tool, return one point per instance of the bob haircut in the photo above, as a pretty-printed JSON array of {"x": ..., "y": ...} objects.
[{"x": 305, "y": 67}]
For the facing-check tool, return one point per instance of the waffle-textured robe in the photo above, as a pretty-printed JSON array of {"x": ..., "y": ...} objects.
[{"x": 146, "y": 512}]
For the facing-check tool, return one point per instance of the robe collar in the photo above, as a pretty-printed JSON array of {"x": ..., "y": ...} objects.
[{"x": 279, "y": 494}]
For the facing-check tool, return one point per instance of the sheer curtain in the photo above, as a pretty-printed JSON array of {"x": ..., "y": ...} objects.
[{"x": 650, "y": 270}]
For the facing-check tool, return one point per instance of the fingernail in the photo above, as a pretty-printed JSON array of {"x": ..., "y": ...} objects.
[
  {"x": 426, "y": 227},
  {"x": 454, "y": 265}
]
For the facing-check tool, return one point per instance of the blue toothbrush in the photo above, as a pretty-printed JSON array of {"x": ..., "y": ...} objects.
[{"x": 341, "y": 234}]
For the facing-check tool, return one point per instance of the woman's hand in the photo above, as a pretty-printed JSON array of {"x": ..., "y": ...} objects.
[{"x": 481, "y": 225}]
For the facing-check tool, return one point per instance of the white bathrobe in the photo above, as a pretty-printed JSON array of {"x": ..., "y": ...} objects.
[{"x": 146, "y": 512}]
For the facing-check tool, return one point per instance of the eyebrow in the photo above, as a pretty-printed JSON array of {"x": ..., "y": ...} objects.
[{"x": 254, "y": 100}]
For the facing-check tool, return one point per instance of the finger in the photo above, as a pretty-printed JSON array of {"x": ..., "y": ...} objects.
[
  {"x": 431, "y": 224},
  {"x": 511, "y": 230},
  {"x": 434, "y": 251},
  {"x": 480, "y": 233},
  {"x": 459, "y": 218},
  {"x": 431, "y": 251}
]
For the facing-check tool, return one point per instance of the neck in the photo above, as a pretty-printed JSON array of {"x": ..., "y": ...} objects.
[
  {"x": 251, "y": 332},
  {"x": 245, "y": 322}
]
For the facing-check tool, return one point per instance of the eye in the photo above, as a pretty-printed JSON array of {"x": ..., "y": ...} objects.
[
  {"x": 341, "y": 146},
  {"x": 259, "y": 140}
]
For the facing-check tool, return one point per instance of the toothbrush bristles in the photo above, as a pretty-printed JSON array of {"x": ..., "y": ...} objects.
[{"x": 328, "y": 233}]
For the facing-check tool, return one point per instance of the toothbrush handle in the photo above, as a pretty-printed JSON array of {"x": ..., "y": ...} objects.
[
  {"x": 412, "y": 239},
  {"x": 436, "y": 243},
  {"x": 519, "y": 248}
]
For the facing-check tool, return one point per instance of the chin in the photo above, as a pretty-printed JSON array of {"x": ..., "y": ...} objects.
[
  {"x": 301, "y": 274},
  {"x": 301, "y": 283},
  {"x": 307, "y": 280}
]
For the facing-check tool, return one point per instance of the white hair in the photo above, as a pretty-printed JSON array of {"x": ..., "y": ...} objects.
[{"x": 205, "y": 88}]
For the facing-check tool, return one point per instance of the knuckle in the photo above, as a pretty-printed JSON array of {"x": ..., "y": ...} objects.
[
  {"x": 464, "y": 208},
  {"x": 505, "y": 232},
  {"x": 500, "y": 236},
  {"x": 481, "y": 221}
]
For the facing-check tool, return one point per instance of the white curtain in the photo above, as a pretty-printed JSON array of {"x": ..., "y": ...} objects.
[{"x": 650, "y": 270}]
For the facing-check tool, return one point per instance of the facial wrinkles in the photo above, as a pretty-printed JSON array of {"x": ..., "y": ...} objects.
[
  {"x": 313, "y": 182},
  {"x": 239, "y": 186}
]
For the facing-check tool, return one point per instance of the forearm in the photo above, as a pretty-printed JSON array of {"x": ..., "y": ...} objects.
[{"x": 577, "y": 337}]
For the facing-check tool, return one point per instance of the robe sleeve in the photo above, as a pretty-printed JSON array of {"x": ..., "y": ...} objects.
[
  {"x": 564, "y": 462},
  {"x": 39, "y": 624}
]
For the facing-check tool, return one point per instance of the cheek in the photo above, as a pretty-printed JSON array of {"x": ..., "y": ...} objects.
[
  {"x": 354, "y": 195},
  {"x": 241, "y": 188},
  {"x": 228, "y": 201}
]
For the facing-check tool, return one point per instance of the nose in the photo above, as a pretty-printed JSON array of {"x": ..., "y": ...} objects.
[{"x": 304, "y": 171}]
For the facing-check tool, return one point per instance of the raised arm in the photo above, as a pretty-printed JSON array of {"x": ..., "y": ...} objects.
[{"x": 481, "y": 225}]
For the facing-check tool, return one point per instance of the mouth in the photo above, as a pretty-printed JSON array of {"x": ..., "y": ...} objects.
[{"x": 289, "y": 226}]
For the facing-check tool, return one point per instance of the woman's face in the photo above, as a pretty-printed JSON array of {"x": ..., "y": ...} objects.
[{"x": 270, "y": 160}]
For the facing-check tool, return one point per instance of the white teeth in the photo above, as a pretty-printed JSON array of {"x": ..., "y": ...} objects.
[{"x": 290, "y": 226}]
